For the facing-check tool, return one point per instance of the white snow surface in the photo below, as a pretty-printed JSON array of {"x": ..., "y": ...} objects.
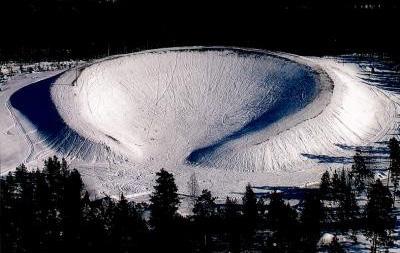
[{"x": 232, "y": 116}]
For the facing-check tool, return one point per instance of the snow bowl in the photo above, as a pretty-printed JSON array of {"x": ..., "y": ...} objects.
[
  {"x": 232, "y": 116},
  {"x": 182, "y": 106}
]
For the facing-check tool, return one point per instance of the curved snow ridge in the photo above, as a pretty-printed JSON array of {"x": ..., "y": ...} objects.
[
  {"x": 358, "y": 115},
  {"x": 157, "y": 107},
  {"x": 34, "y": 105}
]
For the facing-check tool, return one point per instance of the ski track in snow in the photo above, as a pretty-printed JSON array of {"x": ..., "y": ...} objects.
[
  {"x": 230, "y": 115},
  {"x": 18, "y": 124}
]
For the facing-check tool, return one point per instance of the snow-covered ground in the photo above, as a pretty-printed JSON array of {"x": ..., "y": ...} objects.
[
  {"x": 11, "y": 69},
  {"x": 230, "y": 115}
]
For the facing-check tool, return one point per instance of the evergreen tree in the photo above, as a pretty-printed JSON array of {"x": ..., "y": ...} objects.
[
  {"x": 92, "y": 231},
  {"x": 311, "y": 218},
  {"x": 274, "y": 210},
  {"x": 394, "y": 149},
  {"x": 106, "y": 212},
  {"x": 127, "y": 227},
  {"x": 249, "y": 208},
  {"x": 362, "y": 174},
  {"x": 164, "y": 202},
  {"x": 395, "y": 178},
  {"x": 204, "y": 210},
  {"x": 72, "y": 207},
  {"x": 336, "y": 186},
  {"x": 8, "y": 228},
  {"x": 325, "y": 187},
  {"x": 348, "y": 210},
  {"x": 394, "y": 167},
  {"x": 204, "y": 207},
  {"x": 262, "y": 211},
  {"x": 233, "y": 223},
  {"x": 379, "y": 218},
  {"x": 282, "y": 220}
]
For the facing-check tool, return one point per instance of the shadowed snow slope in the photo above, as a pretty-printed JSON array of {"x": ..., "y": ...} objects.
[{"x": 230, "y": 115}]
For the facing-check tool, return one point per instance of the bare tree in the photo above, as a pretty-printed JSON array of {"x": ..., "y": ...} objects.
[{"x": 193, "y": 187}]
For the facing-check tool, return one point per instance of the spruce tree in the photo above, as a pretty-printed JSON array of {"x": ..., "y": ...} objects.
[
  {"x": 348, "y": 209},
  {"x": 249, "y": 208},
  {"x": 164, "y": 201},
  {"x": 274, "y": 210},
  {"x": 325, "y": 187},
  {"x": 204, "y": 211},
  {"x": 394, "y": 167},
  {"x": 394, "y": 149},
  {"x": 72, "y": 207},
  {"x": 204, "y": 207},
  {"x": 379, "y": 218},
  {"x": 282, "y": 220},
  {"x": 336, "y": 186},
  {"x": 311, "y": 218},
  {"x": 127, "y": 227},
  {"x": 362, "y": 174},
  {"x": 233, "y": 223}
]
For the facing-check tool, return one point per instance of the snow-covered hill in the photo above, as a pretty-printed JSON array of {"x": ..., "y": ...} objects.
[{"x": 230, "y": 115}]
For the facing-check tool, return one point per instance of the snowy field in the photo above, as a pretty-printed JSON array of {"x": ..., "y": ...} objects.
[
  {"x": 10, "y": 69},
  {"x": 230, "y": 115}
]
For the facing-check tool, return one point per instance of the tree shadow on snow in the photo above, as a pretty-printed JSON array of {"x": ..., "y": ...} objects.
[
  {"x": 289, "y": 193},
  {"x": 374, "y": 153}
]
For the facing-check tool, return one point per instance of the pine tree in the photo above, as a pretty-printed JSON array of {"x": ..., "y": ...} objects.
[
  {"x": 362, "y": 174},
  {"x": 72, "y": 207},
  {"x": 233, "y": 223},
  {"x": 325, "y": 187},
  {"x": 394, "y": 167},
  {"x": 311, "y": 218},
  {"x": 127, "y": 227},
  {"x": 282, "y": 220},
  {"x": 274, "y": 210},
  {"x": 204, "y": 206},
  {"x": 249, "y": 207},
  {"x": 348, "y": 209},
  {"x": 394, "y": 149},
  {"x": 395, "y": 178},
  {"x": 379, "y": 218},
  {"x": 164, "y": 201},
  {"x": 204, "y": 210},
  {"x": 8, "y": 228},
  {"x": 336, "y": 186}
]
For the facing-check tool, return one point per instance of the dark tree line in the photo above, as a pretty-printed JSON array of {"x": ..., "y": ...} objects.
[{"x": 49, "y": 210}]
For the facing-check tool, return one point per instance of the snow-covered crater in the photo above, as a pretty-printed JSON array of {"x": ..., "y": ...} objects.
[
  {"x": 170, "y": 107},
  {"x": 232, "y": 116}
]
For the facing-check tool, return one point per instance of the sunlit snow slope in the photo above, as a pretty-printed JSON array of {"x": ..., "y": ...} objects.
[{"x": 230, "y": 115}]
